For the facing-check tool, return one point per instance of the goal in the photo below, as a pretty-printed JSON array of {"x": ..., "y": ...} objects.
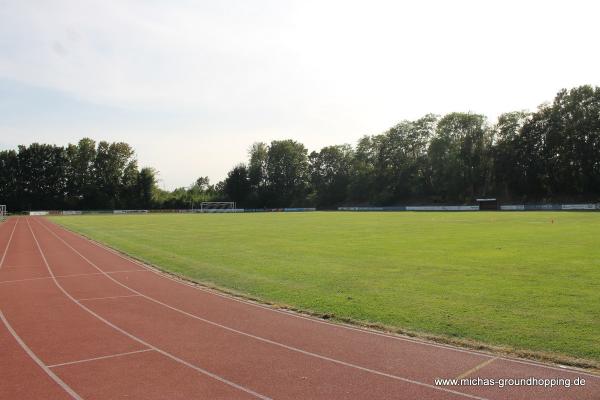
[
  {"x": 217, "y": 206},
  {"x": 2, "y": 212}
]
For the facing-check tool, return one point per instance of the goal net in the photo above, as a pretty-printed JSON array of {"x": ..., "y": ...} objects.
[
  {"x": 2, "y": 212},
  {"x": 217, "y": 206}
]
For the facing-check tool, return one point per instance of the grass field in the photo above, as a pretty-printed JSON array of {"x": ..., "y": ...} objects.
[{"x": 528, "y": 280}]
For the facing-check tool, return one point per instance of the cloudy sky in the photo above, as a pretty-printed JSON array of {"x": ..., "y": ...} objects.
[{"x": 192, "y": 84}]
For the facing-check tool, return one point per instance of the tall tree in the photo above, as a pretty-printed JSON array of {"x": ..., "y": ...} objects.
[
  {"x": 202, "y": 184},
  {"x": 330, "y": 174},
  {"x": 362, "y": 188},
  {"x": 9, "y": 183},
  {"x": 130, "y": 196},
  {"x": 237, "y": 185},
  {"x": 109, "y": 165},
  {"x": 510, "y": 155},
  {"x": 570, "y": 128},
  {"x": 146, "y": 184},
  {"x": 80, "y": 172},
  {"x": 460, "y": 156},
  {"x": 287, "y": 173},
  {"x": 42, "y": 176}
]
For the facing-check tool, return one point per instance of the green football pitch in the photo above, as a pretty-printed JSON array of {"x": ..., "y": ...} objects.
[{"x": 524, "y": 281}]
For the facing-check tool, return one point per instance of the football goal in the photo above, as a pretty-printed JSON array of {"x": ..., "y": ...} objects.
[{"x": 217, "y": 206}]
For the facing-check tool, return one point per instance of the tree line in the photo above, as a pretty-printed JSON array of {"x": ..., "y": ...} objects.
[
  {"x": 552, "y": 154},
  {"x": 85, "y": 175}
]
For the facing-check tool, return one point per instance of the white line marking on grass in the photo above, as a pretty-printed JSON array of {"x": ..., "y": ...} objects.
[
  {"x": 319, "y": 321},
  {"x": 99, "y": 358},
  {"x": 137, "y": 339},
  {"x": 264, "y": 340},
  {"x": 39, "y": 362},
  {"x": 8, "y": 243}
]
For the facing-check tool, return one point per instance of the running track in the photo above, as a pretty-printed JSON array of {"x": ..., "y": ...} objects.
[{"x": 79, "y": 321}]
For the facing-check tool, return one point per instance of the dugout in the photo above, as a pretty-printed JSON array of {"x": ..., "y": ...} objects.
[{"x": 487, "y": 204}]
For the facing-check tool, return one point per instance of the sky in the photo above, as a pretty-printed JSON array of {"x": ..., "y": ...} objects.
[{"x": 192, "y": 84}]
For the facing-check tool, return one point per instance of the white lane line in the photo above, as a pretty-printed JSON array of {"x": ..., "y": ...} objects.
[
  {"x": 99, "y": 358},
  {"x": 476, "y": 368},
  {"x": 108, "y": 297},
  {"x": 39, "y": 362},
  {"x": 567, "y": 369},
  {"x": 71, "y": 276},
  {"x": 27, "y": 279},
  {"x": 264, "y": 340},
  {"x": 137, "y": 339},
  {"x": 8, "y": 243},
  {"x": 123, "y": 271}
]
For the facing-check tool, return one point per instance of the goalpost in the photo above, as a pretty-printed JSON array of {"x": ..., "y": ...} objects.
[
  {"x": 217, "y": 206},
  {"x": 2, "y": 212}
]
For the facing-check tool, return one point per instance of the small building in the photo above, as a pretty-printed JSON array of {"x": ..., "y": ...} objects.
[{"x": 487, "y": 204}]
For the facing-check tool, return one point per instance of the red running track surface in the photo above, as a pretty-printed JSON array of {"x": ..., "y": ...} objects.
[{"x": 80, "y": 321}]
